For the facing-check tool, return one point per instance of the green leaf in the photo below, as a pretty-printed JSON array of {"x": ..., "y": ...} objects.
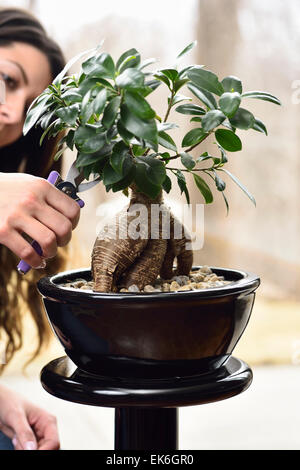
[
  {"x": 163, "y": 78},
  {"x": 261, "y": 95},
  {"x": 69, "y": 139},
  {"x": 102, "y": 83},
  {"x": 187, "y": 49},
  {"x": 205, "y": 79},
  {"x": 118, "y": 156},
  {"x": 152, "y": 85},
  {"x": 150, "y": 175},
  {"x": 87, "y": 140},
  {"x": 166, "y": 141},
  {"x": 111, "y": 133},
  {"x": 220, "y": 184},
  {"x": 167, "y": 184},
  {"x": 138, "y": 105},
  {"x": 155, "y": 170},
  {"x": 241, "y": 186},
  {"x": 184, "y": 71},
  {"x": 58, "y": 154},
  {"x": 128, "y": 59},
  {"x": 100, "y": 101},
  {"x": 46, "y": 119},
  {"x": 130, "y": 78},
  {"x": 110, "y": 112},
  {"x": 232, "y": 84},
  {"x": 124, "y": 133},
  {"x": 205, "y": 96},
  {"x": 203, "y": 188},
  {"x": 178, "y": 98},
  {"x": 145, "y": 129},
  {"x": 203, "y": 157},
  {"x": 86, "y": 108},
  {"x": 212, "y": 119},
  {"x": 87, "y": 159},
  {"x": 68, "y": 115},
  {"x": 51, "y": 130},
  {"x": 229, "y": 103},
  {"x": 191, "y": 109},
  {"x": 143, "y": 91},
  {"x": 129, "y": 170},
  {"x": 99, "y": 66},
  {"x": 187, "y": 160},
  {"x": 179, "y": 84},
  {"x": 35, "y": 112},
  {"x": 71, "y": 96},
  {"x": 228, "y": 140},
  {"x": 138, "y": 150},
  {"x": 224, "y": 158},
  {"x": 229, "y": 126},
  {"x": 87, "y": 85},
  {"x": 193, "y": 137},
  {"x": 110, "y": 176},
  {"x": 242, "y": 119},
  {"x": 171, "y": 74},
  {"x": 259, "y": 126},
  {"x": 181, "y": 181},
  {"x": 166, "y": 156}
]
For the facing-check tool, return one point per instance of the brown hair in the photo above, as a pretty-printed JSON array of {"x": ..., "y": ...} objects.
[{"x": 27, "y": 156}]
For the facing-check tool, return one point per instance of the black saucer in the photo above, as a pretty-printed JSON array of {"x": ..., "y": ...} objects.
[
  {"x": 62, "y": 379},
  {"x": 146, "y": 414}
]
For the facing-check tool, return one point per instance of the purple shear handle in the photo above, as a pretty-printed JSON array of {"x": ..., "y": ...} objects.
[{"x": 24, "y": 267}]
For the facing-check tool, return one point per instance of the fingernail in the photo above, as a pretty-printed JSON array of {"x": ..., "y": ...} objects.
[
  {"x": 30, "y": 445},
  {"x": 14, "y": 441},
  {"x": 42, "y": 266}
]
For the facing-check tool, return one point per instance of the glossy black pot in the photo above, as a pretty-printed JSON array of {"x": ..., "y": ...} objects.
[{"x": 149, "y": 335}]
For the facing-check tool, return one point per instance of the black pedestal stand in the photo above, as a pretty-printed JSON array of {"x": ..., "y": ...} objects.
[{"x": 145, "y": 409}]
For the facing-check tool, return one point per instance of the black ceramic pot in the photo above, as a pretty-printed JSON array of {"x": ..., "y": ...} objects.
[{"x": 149, "y": 335}]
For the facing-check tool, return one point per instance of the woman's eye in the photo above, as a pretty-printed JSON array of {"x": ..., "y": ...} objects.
[{"x": 10, "y": 82}]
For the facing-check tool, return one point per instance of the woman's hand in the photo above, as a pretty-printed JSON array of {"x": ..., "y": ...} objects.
[
  {"x": 33, "y": 206},
  {"x": 29, "y": 427}
]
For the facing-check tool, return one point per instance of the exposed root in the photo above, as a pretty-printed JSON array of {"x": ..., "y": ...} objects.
[
  {"x": 112, "y": 254},
  {"x": 177, "y": 249},
  {"x": 134, "y": 248},
  {"x": 147, "y": 266}
]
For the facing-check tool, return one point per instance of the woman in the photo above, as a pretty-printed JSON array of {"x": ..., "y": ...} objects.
[{"x": 29, "y": 61}]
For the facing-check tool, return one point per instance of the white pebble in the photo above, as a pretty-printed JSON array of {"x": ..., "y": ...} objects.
[
  {"x": 133, "y": 288},
  {"x": 149, "y": 288}
]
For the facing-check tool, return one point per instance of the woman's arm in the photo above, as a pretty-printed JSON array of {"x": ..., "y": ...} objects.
[{"x": 29, "y": 427}]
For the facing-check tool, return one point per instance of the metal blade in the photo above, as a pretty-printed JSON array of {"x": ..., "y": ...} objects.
[
  {"x": 84, "y": 186},
  {"x": 75, "y": 177}
]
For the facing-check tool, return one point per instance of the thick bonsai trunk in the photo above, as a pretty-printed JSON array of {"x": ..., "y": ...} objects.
[{"x": 134, "y": 248}]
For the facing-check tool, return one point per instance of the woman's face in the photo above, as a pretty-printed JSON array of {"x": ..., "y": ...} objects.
[{"x": 26, "y": 73}]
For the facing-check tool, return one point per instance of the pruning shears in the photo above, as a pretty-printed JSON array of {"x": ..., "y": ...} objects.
[{"x": 71, "y": 185}]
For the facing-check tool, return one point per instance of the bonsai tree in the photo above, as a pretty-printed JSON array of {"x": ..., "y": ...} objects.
[{"x": 104, "y": 114}]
